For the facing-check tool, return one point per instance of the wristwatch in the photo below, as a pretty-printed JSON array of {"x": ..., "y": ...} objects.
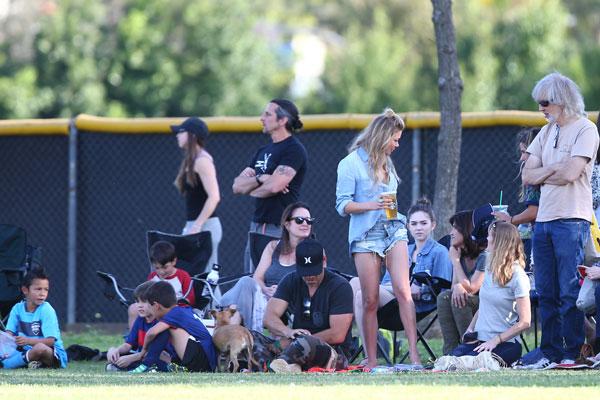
[{"x": 258, "y": 179}]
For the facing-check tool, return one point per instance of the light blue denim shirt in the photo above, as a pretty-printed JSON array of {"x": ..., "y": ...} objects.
[
  {"x": 433, "y": 258},
  {"x": 355, "y": 184}
]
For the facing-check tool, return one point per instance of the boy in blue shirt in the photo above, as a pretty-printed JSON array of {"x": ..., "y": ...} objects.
[
  {"x": 122, "y": 358},
  {"x": 181, "y": 327},
  {"x": 34, "y": 325}
]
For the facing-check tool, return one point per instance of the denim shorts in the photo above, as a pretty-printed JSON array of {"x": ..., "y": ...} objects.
[{"x": 381, "y": 237}]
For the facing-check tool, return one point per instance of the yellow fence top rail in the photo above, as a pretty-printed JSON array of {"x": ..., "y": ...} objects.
[
  {"x": 34, "y": 127},
  {"x": 414, "y": 120}
]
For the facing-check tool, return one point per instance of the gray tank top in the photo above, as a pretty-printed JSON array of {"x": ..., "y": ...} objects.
[{"x": 276, "y": 271}]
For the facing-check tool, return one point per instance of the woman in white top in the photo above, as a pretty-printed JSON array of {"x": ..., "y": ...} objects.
[{"x": 504, "y": 306}]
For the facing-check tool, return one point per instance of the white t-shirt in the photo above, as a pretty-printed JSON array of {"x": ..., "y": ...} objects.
[{"x": 498, "y": 304}]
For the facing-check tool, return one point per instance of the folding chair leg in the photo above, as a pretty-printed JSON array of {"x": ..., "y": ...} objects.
[
  {"x": 524, "y": 343},
  {"x": 361, "y": 349},
  {"x": 421, "y": 339}
]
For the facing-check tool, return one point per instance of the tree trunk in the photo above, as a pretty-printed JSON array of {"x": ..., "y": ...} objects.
[{"x": 449, "y": 139}]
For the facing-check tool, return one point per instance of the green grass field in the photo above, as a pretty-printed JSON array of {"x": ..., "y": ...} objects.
[{"x": 87, "y": 380}]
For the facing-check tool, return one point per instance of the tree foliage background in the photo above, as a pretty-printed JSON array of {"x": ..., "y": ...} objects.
[{"x": 59, "y": 58}]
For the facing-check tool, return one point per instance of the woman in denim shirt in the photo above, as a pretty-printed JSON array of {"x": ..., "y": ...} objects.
[
  {"x": 362, "y": 177},
  {"x": 427, "y": 256}
]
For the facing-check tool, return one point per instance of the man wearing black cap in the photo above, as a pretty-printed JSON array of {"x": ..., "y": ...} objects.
[
  {"x": 275, "y": 174},
  {"x": 321, "y": 304}
]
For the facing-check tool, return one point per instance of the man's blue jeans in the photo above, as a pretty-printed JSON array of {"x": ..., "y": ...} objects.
[{"x": 557, "y": 250}]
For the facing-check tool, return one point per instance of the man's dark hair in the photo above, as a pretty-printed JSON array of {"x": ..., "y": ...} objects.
[
  {"x": 34, "y": 273},
  {"x": 162, "y": 252},
  {"x": 288, "y": 110},
  {"x": 139, "y": 293},
  {"x": 161, "y": 292}
]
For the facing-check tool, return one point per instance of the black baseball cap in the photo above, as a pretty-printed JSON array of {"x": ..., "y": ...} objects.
[
  {"x": 309, "y": 258},
  {"x": 193, "y": 125},
  {"x": 482, "y": 218}
]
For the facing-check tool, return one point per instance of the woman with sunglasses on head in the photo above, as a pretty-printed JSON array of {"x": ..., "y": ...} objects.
[
  {"x": 250, "y": 295},
  {"x": 529, "y": 196},
  {"x": 197, "y": 182},
  {"x": 366, "y": 189},
  {"x": 457, "y": 306},
  {"x": 504, "y": 306}
]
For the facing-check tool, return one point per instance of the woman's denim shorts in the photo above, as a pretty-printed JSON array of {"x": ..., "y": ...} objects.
[{"x": 381, "y": 237}]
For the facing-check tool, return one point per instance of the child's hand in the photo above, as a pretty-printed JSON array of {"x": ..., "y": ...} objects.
[
  {"x": 125, "y": 361},
  {"x": 112, "y": 355},
  {"x": 21, "y": 340}
]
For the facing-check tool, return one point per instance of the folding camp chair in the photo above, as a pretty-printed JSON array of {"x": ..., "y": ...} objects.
[
  {"x": 193, "y": 252},
  {"x": 389, "y": 317},
  {"x": 16, "y": 259},
  {"x": 258, "y": 242}
]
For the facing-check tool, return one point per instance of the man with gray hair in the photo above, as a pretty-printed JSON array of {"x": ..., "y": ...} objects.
[
  {"x": 561, "y": 160},
  {"x": 276, "y": 172}
]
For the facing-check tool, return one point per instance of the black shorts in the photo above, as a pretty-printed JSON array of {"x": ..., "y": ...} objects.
[{"x": 195, "y": 358}]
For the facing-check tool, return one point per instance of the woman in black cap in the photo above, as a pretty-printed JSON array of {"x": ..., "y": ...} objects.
[{"x": 197, "y": 182}]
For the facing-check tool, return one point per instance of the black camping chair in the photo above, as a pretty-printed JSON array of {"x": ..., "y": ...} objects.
[
  {"x": 258, "y": 242},
  {"x": 388, "y": 317},
  {"x": 16, "y": 258},
  {"x": 193, "y": 252}
]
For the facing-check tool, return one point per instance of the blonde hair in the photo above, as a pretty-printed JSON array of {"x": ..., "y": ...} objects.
[
  {"x": 186, "y": 172},
  {"x": 507, "y": 250},
  {"x": 374, "y": 138},
  {"x": 559, "y": 89}
]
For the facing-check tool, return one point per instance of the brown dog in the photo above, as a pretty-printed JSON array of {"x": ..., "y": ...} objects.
[{"x": 231, "y": 340}]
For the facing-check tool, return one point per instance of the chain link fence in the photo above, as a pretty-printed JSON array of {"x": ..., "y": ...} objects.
[{"x": 125, "y": 188}]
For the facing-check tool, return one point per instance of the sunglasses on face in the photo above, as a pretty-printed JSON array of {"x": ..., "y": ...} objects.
[
  {"x": 301, "y": 220},
  {"x": 544, "y": 103}
]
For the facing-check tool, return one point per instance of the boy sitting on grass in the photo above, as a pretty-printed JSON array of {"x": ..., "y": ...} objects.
[
  {"x": 164, "y": 261},
  {"x": 122, "y": 358},
  {"x": 192, "y": 343},
  {"x": 34, "y": 325}
]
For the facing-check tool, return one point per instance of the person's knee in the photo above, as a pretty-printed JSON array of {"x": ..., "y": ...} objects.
[
  {"x": 38, "y": 351},
  {"x": 443, "y": 300},
  {"x": 370, "y": 302},
  {"x": 403, "y": 295}
]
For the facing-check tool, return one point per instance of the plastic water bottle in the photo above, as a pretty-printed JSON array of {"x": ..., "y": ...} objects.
[{"x": 213, "y": 275}]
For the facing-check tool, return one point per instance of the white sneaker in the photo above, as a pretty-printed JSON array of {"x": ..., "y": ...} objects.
[
  {"x": 542, "y": 363},
  {"x": 35, "y": 364},
  {"x": 279, "y": 366},
  {"x": 112, "y": 368}
]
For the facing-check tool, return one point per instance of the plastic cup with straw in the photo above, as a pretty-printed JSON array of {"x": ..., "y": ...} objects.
[{"x": 500, "y": 207}]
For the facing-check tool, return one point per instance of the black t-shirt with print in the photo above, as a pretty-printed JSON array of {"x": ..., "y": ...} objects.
[
  {"x": 333, "y": 297},
  {"x": 290, "y": 152}
]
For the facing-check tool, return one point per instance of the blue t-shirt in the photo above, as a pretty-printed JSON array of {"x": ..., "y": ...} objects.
[
  {"x": 137, "y": 335},
  {"x": 186, "y": 319},
  {"x": 42, "y": 323}
]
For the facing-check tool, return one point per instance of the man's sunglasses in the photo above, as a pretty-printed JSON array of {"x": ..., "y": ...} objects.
[
  {"x": 306, "y": 308},
  {"x": 301, "y": 220},
  {"x": 544, "y": 103}
]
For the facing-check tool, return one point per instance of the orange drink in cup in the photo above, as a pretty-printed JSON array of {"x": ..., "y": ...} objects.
[{"x": 392, "y": 211}]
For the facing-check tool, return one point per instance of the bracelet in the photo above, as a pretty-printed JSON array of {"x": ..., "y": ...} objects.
[
  {"x": 511, "y": 219},
  {"x": 257, "y": 179},
  {"x": 499, "y": 339}
]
